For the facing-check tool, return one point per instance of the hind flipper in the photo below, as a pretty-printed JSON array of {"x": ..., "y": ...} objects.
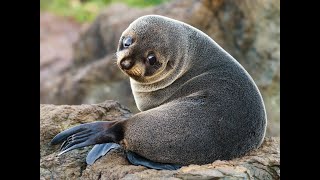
[
  {"x": 100, "y": 150},
  {"x": 136, "y": 159},
  {"x": 87, "y": 134}
]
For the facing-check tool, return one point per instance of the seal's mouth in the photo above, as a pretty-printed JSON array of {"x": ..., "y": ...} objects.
[{"x": 135, "y": 71}]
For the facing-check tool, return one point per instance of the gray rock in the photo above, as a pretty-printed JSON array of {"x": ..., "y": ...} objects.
[{"x": 263, "y": 163}]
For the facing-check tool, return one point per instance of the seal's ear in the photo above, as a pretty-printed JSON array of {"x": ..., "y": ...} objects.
[{"x": 170, "y": 64}]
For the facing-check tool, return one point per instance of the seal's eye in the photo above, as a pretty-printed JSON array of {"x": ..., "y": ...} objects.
[
  {"x": 152, "y": 59},
  {"x": 127, "y": 42}
]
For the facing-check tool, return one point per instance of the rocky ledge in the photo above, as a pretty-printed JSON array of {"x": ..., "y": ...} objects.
[{"x": 263, "y": 163}]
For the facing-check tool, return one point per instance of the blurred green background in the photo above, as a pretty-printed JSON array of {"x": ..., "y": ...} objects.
[{"x": 87, "y": 10}]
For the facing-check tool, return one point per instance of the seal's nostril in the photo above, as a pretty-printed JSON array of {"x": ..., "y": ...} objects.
[{"x": 126, "y": 64}]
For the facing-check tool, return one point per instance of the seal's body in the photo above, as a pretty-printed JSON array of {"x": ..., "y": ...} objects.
[{"x": 198, "y": 103}]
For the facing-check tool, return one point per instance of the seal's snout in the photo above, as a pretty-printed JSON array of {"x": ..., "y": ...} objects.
[{"x": 126, "y": 64}]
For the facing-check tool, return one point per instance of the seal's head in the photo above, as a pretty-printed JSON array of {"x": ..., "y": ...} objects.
[{"x": 148, "y": 51}]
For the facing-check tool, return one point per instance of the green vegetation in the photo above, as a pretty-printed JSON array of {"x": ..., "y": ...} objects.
[{"x": 87, "y": 10}]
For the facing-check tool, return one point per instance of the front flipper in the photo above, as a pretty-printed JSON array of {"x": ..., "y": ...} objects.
[
  {"x": 100, "y": 150},
  {"x": 84, "y": 135},
  {"x": 136, "y": 159}
]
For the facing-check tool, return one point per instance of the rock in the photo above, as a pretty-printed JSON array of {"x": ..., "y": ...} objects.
[
  {"x": 90, "y": 84},
  {"x": 56, "y": 37},
  {"x": 263, "y": 163},
  {"x": 248, "y": 30},
  {"x": 102, "y": 36}
]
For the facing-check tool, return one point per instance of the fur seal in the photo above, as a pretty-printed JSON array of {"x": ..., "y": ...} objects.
[{"x": 198, "y": 104}]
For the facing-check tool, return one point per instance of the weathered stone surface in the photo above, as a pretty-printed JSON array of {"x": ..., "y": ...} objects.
[
  {"x": 248, "y": 30},
  {"x": 263, "y": 163},
  {"x": 91, "y": 84},
  {"x": 56, "y": 37}
]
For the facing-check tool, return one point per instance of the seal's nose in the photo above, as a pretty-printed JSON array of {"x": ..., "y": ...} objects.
[{"x": 126, "y": 64}]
